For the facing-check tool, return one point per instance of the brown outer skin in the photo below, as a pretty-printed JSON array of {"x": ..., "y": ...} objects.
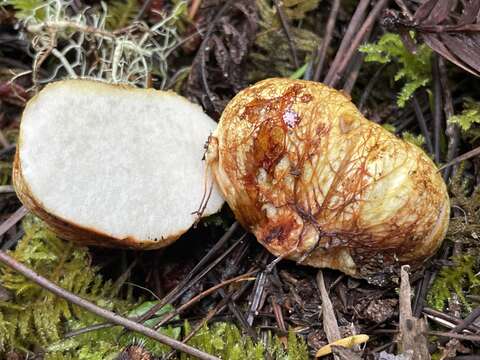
[
  {"x": 318, "y": 183},
  {"x": 68, "y": 229}
]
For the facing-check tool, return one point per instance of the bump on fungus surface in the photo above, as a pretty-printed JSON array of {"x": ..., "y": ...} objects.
[{"x": 318, "y": 183}]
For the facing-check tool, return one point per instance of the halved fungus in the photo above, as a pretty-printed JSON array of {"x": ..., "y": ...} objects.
[
  {"x": 318, "y": 183},
  {"x": 113, "y": 165}
]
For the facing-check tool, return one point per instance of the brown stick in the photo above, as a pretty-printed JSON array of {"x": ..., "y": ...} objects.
[
  {"x": 462, "y": 157},
  {"x": 110, "y": 316},
  {"x": 468, "y": 320},
  {"x": 452, "y": 131},
  {"x": 357, "y": 19},
  {"x": 13, "y": 219},
  {"x": 322, "y": 49},
  {"x": 345, "y": 59},
  {"x": 176, "y": 292},
  {"x": 169, "y": 316},
  {"x": 329, "y": 321},
  {"x": 286, "y": 29},
  {"x": 423, "y": 124},
  {"x": 411, "y": 339},
  {"x": 437, "y": 108}
]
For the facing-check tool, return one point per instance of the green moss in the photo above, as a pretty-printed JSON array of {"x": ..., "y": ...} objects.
[
  {"x": 36, "y": 319},
  {"x": 469, "y": 116},
  {"x": 418, "y": 140},
  {"x": 457, "y": 279},
  {"x": 226, "y": 341},
  {"x": 271, "y": 55},
  {"x": 27, "y": 8},
  {"x": 121, "y": 13},
  {"x": 413, "y": 69},
  {"x": 464, "y": 228}
]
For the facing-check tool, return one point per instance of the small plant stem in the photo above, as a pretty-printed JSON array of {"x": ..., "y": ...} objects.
[
  {"x": 192, "y": 12},
  {"x": 353, "y": 74},
  {"x": 288, "y": 34},
  {"x": 360, "y": 35},
  {"x": 180, "y": 289},
  {"x": 467, "y": 321},
  {"x": 451, "y": 319},
  {"x": 404, "y": 8},
  {"x": 321, "y": 52},
  {"x": 437, "y": 108},
  {"x": 110, "y": 316},
  {"x": 421, "y": 294},
  {"x": 368, "y": 89},
  {"x": 13, "y": 219},
  {"x": 452, "y": 130},
  {"x": 423, "y": 124},
  {"x": 198, "y": 327},
  {"x": 463, "y": 157},
  {"x": 244, "y": 277},
  {"x": 352, "y": 28},
  {"x": 204, "y": 49},
  {"x": 145, "y": 6},
  {"x": 455, "y": 335},
  {"x": 184, "y": 285}
]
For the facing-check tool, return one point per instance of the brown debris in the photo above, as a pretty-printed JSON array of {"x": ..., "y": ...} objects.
[
  {"x": 450, "y": 28},
  {"x": 377, "y": 310},
  {"x": 218, "y": 69}
]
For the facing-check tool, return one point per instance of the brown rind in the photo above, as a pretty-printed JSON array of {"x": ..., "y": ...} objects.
[{"x": 318, "y": 183}]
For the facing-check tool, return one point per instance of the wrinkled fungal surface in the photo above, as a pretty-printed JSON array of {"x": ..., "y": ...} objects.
[{"x": 318, "y": 183}]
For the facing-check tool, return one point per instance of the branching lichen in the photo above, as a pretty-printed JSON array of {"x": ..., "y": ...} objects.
[{"x": 79, "y": 45}]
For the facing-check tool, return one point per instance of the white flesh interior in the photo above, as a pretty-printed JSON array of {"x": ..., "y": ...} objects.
[{"x": 123, "y": 162}]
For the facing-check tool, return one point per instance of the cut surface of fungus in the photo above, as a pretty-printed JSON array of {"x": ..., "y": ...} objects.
[
  {"x": 112, "y": 165},
  {"x": 318, "y": 183}
]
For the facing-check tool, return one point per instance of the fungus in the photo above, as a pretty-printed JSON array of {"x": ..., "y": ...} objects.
[
  {"x": 114, "y": 165},
  {"x": 318, "y": 183}
]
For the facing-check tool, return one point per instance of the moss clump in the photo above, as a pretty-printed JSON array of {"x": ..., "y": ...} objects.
[
  {"x": 464, "y": 228},
  {"x": 33, "y": 319},
  {"x": 271, "y": 55},
  {"x": 457, "y": 279},
  {"x": 226, "y": 341}
]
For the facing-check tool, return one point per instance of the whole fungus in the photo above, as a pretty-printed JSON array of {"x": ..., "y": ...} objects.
[
  {"x": 318, "y": 183},
  {"x": 114, "y": 165}
]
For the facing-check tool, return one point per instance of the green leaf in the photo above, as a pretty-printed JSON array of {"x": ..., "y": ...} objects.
[
  {"x": 469, "y": 116},
  {"x": 299, "y": 72},
  {"x": 418, "y": 140},
  {"x": 144, "y": 307}
]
